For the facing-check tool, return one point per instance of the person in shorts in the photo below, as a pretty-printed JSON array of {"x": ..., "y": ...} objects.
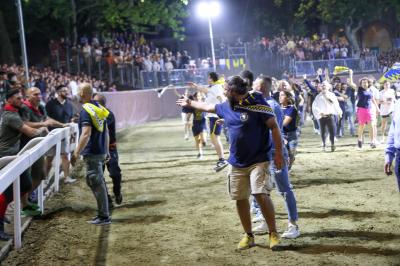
[
  {"x": 214, "y": 95},
  {"x": 249, "y": 119}
]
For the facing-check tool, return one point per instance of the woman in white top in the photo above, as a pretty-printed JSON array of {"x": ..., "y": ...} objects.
[
  {"x": 325, "y": 107},
  {"x": 387, "y": 100}
]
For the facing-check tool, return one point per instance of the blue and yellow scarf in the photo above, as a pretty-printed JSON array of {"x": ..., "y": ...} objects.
[{"x": 98, "y": 114}]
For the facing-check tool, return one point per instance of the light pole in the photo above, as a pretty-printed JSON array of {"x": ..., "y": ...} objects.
[
  {"x": 210, "y": 9},
  {"x": 22, "y": 40}
]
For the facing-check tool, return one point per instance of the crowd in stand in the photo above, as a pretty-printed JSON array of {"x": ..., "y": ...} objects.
[
  {"x": 117, "y": 49},
  {"x": 387, "y": 59},
  {"x": 306, "y": 48},
  {"x": 47, "y": 80}
]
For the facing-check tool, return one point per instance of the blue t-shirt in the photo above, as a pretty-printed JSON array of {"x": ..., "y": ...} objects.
[
  {"x": 277, "y": 111},
  {"x": 364, "y": 98},
  {"x": 248, "y": 133},
  {"x": 97, "y": 141},
  {"x": 290, "y": 111}
]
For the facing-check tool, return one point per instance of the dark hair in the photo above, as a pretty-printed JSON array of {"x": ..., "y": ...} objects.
[
  {"x": 10, "y": 75},
  {"x": 59, "y": 87},
  {"x": 237, "y": 84},
  {"x": 248, "y": 76},
  {"x": 102, "y": 99},
  {"x": 214, "y": 76},
  {"x": 267, "y": 81},
  {"x": 11, "y": 93},
  {"x": 289, "y": 97}
]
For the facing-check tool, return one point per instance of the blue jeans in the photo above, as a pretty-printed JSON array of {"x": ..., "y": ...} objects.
[
  {"x": 397, "y": 168},
  {"x": 95, "y": 180},
  {"x": 349, "y": 116},
  {"x": 115, "y": 171},
  {"x": 282, "y": 183}
]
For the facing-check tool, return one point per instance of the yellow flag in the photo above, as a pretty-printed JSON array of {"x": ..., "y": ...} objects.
[{"x": 340, "y": 69}]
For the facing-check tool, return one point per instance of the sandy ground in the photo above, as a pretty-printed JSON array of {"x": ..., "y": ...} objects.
[{"x": 176, "y": 210}]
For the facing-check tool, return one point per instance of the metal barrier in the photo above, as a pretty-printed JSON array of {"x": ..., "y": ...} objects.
[
  {"x": 358, "y": 65},
  {"x": 13, "y": 166}
]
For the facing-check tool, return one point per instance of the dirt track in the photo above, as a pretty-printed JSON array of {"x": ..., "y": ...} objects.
[{"x": 176, "y": 211}]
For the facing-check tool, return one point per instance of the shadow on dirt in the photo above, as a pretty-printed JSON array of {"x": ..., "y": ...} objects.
[
  {"x": 321, "y": 249},
  {"x": 302, "y": 183}
]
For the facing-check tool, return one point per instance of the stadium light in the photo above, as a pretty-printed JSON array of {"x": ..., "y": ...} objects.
[
  {"x": 209, "y": 9},
  {"x": 22, "y": 40}
]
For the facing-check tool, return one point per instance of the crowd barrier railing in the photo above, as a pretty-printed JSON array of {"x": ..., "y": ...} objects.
[
  {"x": 358, "y": 65},
  {"x": 11, "y": 167}
]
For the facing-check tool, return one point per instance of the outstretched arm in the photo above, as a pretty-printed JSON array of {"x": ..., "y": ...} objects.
[
  {"x": 197, "y": 87},
  {"x": 205, "y": 107}
]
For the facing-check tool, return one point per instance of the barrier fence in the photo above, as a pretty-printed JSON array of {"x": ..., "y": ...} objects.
[
  {"x": 13, "y": 166},
  {"x": 358, "y": 65}
]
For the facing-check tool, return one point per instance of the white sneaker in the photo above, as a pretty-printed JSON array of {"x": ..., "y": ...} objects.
[
  {"x": 261, "y": 229},
  {"x": 292, "y": 232},
  {"x": 258, "y": 218},
  {"x": 69, "y": 180},
  {"x": 186, "y": 137}
]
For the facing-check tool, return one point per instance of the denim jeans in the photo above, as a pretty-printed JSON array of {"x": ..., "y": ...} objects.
[
  {"x": 95, "y": 180},
  {"x": 115, "y": 171},
  {"x": 282, "y": 183},
  {"x": 397, "y": 168},
  {"x": 349, "y": 116}
]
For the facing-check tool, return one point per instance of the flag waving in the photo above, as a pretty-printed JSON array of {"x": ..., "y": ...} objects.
[
  {"x": 340, "y": 69},
  {"x": 392, "y": 74}
]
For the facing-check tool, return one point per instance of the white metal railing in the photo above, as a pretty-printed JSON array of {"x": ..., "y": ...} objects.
[{"x": 13, "y": 166}]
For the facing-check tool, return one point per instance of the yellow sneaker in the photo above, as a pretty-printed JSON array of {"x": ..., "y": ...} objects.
[
  {"x": 246, "y": 242},
  {"x": 274, "y": 240}
]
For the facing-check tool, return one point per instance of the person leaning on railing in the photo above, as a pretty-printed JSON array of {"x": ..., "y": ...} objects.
[
  {"x": 34, "y": 115},
  {"x": 62, "y": 110},
  {"x": 11, "y": 129}
]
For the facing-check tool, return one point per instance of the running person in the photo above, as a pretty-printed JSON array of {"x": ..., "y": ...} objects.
[
  {"x": 199, "y": 126},
  {"x": 365, "y": 101},
  {"x": 186, "y": 113},
  {"x": 325, "y": 107},
  {"x": 249, "y": 120},
  {"x": 215, "y": 95}
]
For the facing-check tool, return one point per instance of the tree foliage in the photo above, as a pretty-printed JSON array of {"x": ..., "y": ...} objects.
[{"x": 105, "y": 15}]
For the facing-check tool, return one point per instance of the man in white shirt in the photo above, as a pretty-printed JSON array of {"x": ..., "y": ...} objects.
[
  {"x": 324, "y": 107},
  {"x": 387, "y": 99},
  {"x": 374, "y": 111},
  {"x": 215, "y": 95}
]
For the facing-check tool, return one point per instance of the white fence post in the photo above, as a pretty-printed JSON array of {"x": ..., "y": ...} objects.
[
  {"x": 17, "y": 213},
  {"x": 57, "y": 167}
]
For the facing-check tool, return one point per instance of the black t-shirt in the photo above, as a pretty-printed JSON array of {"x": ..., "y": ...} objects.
[
  {"x": 111, "y": 127},
  {"x": 62, "y": 113}
]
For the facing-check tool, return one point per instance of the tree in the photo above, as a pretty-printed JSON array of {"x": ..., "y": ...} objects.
[
  {"x": 104, "y": 15},
  {"x": 352, "y": 15}
]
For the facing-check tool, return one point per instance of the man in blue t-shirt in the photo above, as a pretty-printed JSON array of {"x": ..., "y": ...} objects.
[
  {"x": 93, "y": 146},
  {"x": 281, "y": 179},
  {"x": 249, "y": 120}
]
